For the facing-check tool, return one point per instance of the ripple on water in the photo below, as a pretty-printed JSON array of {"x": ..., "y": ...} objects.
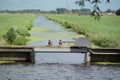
[{"x": 58, "y": 72}]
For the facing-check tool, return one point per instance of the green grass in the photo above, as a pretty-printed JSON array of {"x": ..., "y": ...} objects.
[
  {"x": 22, "y": 22},
  {"x": 107, "y": 63},
  {"x": 39, "y": 29},
  {"x": 17, "y": 21},
  {"x": 4, "y": 62},
  {"x": 103, "y": 33}
]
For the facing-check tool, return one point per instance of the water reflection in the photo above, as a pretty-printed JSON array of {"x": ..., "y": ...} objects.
[{"x": 64, "y": 58}]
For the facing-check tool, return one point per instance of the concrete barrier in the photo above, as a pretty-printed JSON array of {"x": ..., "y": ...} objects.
[
  {"x": 102, "y": 55},
  {"x": 71, "y": 49},
  {"x": 28, "y": 53},
  {"x": 17, "y": 53}
]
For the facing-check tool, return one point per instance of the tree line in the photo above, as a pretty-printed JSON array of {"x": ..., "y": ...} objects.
[
  {"x": 57, "y": 11},
  {"x": 82, "y": 11}
]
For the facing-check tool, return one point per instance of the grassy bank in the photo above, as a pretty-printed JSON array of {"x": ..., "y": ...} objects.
[
  {"x": 4, "y": 62},
  {"x": 21, "y": 22},
  {"x": 107, "y": 63},
  {"x": 104, "y": 33}
]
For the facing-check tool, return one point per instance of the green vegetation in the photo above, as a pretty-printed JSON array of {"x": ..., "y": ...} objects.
[
  {"x": 13, "y": 37},
  {"x": 103, "y": 33},
  {"x": 46, "y": 33},
  {"x": 4, "y": 62},
  {"x": 14, "y": 26},
  {"x": 118, "y": 12},
  {"x": 10, "y": 36},
  {"x": 107, "y": 63},
  {"x": 20, "y": 40}
]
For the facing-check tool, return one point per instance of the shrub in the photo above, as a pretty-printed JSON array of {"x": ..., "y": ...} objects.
[
  {"x": 67, "y": 25},
  {"x": 24, "y": 32},
  {"x": 20, "y": 40},
  {"x": 16, "y": 37},
  {"x": 10, "y": 36},
  {"x": 103, "y": 42},
  {"x": 29, "y": 26}
]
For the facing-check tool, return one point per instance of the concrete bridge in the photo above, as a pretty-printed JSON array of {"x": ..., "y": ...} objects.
[{"x": 28, "y": 53}]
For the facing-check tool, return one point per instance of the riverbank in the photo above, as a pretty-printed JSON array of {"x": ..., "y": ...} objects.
[
  {"x": 103, "y": 33},
  {"x": 106, "y": 63},
  {"x": 5, "y": 62}
]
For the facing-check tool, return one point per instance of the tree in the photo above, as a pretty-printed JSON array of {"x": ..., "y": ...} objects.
[
  {"x": 75, "y": 11},
  {"x": 52, "y": 12},
  {"x": 109, "y": 11},
  {"x": 96, "y": 11},
  {"x": 62, "y": 10},
  {"x": 85, "y": 11},
  {"x": 118, "y": 12},
  {"x": 10, "y": 36}
]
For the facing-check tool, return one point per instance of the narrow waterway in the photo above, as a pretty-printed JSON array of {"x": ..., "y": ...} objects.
[
  {"x": 45, "y": 30},
  {"x": 55, "y": 66}
]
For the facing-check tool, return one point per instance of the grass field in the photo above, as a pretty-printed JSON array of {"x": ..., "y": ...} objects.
[
  {"x": 17, "y": 21},
  {"x": 104, "y": 33}
]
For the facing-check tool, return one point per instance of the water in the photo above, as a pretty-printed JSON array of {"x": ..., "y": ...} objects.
[
  {"x": 58, "y": 72},
  {"x": 56, "y": 66},
  {"x": 61, "y": 58},
  {"x": 50, "y": 30}
]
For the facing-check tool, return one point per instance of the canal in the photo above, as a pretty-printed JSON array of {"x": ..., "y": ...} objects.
[
  {"x": 56, "y": 66},
  {"x": 49, "y": 30},
  {"x": 45, "y": 30}
]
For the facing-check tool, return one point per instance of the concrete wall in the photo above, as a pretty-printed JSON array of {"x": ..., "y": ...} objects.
[
  {"x": 104, "y": 55},
  {"x": 17, "y": 54},
  {"x": 105, "y": 58}
]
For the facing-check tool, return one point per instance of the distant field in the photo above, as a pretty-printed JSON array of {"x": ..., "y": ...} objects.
[
  {"x": 17, "y": 21},
  {"x": 104, "y": 33}
]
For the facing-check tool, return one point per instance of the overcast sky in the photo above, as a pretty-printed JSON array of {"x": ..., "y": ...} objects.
[{"x": 52, "y": 4}]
